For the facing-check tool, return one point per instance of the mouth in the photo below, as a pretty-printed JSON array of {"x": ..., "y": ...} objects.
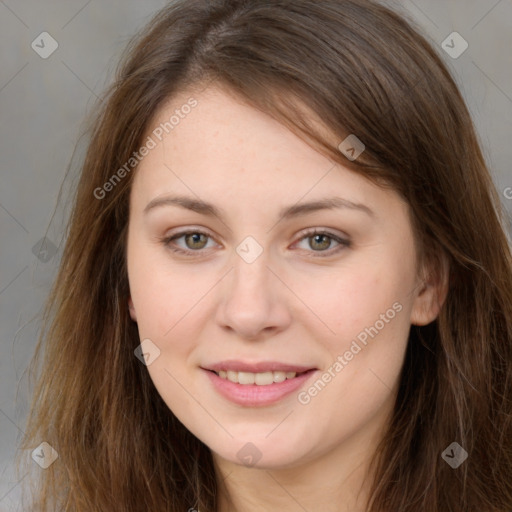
[
  {"x": 260, "y": 379},
  {"x": 257, "y": 384}
]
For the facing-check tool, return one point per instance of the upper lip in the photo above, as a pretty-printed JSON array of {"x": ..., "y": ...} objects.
[{"x": 260, "y": 367}]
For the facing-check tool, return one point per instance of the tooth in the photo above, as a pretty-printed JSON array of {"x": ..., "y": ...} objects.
[
  {"x": 246, "y": 378},
  {"x": 232, "y": 376},
  {"x": 264, "y": 379},
  {"x": 280, "y": 376},
  {"x": 260, "y": 379}
]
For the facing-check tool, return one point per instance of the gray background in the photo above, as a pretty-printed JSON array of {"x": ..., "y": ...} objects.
[{"x": 43, "y": 103}]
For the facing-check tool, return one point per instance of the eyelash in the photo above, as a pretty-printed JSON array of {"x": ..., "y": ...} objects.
[{"x": 309, "y": 234}]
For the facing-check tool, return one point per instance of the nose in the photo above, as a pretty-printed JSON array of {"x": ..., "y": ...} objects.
[{"x": 254, "y": 304}]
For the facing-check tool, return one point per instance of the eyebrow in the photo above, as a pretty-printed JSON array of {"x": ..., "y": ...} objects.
[{"x": 205, "y": 208}]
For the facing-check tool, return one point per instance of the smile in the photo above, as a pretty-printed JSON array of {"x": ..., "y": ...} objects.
[
  {"x": 260, "y": 379},
  {"x": 256, "y": 389}
]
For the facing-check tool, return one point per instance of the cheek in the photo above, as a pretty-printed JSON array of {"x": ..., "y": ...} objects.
[
  {"x": 367, "y": 312},
  {"x": 162, "y": 293},
  {"x": 345, "y": 301},
  {"x": 362, "y": 314},
  {"x": 170, "y": 313},
  {"x": 165, "y": 303}
]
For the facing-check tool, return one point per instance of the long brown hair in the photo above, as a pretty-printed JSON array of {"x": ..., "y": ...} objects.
[{"x": 361, "y": 69}]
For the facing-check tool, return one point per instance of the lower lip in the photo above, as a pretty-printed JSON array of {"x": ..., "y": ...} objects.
[{"x": 252, "y": 395}]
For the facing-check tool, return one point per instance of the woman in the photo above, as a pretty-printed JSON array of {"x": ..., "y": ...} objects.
[{"x": 341, "y": 337}]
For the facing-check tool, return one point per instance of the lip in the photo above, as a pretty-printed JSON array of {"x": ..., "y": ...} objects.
[
  {"x": 263, "y": 366},
  {"x": 252, "y": 395}
]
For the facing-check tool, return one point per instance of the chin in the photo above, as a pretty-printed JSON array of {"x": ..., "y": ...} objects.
[{"x": 260, "y": 453}]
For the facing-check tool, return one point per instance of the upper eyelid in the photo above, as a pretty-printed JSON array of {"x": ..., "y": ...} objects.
[{"x": 302, "y": 233}]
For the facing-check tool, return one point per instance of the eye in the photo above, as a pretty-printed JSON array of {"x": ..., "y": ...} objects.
[
  {"x": 320, "y": 241},
  {"x": 194, "y": 241}
]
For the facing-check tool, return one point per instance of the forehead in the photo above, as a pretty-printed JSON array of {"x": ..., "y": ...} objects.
[
  {"x": 224, "y": 148},
  {"x": 224, "y": 125}
]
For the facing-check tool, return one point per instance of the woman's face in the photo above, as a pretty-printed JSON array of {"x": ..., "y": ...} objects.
[{"x": 253, "y": 288}]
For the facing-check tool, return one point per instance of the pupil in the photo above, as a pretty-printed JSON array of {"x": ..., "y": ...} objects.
[
  {"x": 195, "y": 236},
  {"x": 318, "y": 239}
]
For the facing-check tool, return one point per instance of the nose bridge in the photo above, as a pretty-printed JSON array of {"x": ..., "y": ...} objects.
[
  {"x": 252, "y": 301},
  {"x": 251, "y": 272}
]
